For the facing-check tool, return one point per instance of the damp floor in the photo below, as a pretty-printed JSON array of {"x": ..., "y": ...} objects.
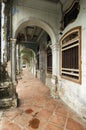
[{"x": 37, "y": 110}]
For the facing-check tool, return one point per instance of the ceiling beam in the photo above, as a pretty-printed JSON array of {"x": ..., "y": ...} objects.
[
  {"x": 53, "y": 1},
  {"x": 40, "y": 35},
  {"x": 29, "y": 42},
  {"x": 34, "y": 30}
]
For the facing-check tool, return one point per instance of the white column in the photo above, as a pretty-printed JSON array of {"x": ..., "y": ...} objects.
[
  {"x": 2, "y": 31},
  {"x": 13, "y": 60},
  {"x": 55, "y": 59},
  {"x": 17, "y": 57},
  {"x": 55, "y": 70},
  {"x": 20, "y": 60}
]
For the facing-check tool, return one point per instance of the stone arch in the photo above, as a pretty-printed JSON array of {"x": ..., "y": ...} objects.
[
  {"x": 30, "y": 58},
  {"x": 29, "y": 49},
  {"x": 32, "y": 21},
  {"x": 36, "y": 22}
]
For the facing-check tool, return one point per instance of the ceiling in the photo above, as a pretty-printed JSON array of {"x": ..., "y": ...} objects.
[
  {"x": 30, "y": 34},
  {"x": 33, "y": 33},
  {"x": 55, "y": 1}
]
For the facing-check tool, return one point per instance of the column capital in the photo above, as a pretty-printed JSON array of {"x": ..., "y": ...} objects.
[
  {"x": 13, "y": 39},
  {"x": 55, "y": 46}
]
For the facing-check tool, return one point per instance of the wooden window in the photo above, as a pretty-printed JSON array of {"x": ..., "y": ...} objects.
[
  {"x": 71, "y": 55},
  {"x": 49, "y": 60}
]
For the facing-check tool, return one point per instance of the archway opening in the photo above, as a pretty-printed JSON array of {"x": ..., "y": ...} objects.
[{"x": 35, "y": 52}]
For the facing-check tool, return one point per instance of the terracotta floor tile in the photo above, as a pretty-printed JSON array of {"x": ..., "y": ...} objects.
[
  {"x": 44, "y": 114},
  {"x": 50, "y": 105},
  {"x": 24, "y": 129},
  {"x": 40, "y": 101},
  {"x": 5, "y": 129},
  {"x": 36, "y": 123},
  {"x": 23, "y": 119},
  {"x": 52, "y": 127},
  {"x": 74, "y": 125},
  {"x": 62, "y": 110},
  {"x": 5, "y": 121},
  {"x": 1, "y": 124},
  {"x": 58, "y": 120},
  {"x": 12, "y": 113},
  {"x": 12, "y": 126},
  {"x": 32, "y": 110}
]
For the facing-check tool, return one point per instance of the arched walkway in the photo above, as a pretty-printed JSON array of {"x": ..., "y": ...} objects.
[
  {"x": 48, "y": 29},
  {"x": 37, "y": 110}
]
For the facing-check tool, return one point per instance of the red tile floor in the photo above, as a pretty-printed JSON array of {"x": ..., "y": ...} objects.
[{"x": 38, "y": 110}]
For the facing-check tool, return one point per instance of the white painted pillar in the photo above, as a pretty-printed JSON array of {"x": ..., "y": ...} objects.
[
  {"x": 17, "y": 57},
  {"x": 55, "y": 59},
  {"x": 43, "y": 65},
  {"x": 13, "y": 60},
  {"x": 2, "y": 31},
  {"x": 55, "y": 70}
]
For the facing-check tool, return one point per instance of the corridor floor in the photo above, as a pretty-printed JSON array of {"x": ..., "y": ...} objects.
[{"x": 38, "y": 110}]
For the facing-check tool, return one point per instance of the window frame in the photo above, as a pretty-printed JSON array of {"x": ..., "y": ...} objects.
[{"x": 73, "y": 72}]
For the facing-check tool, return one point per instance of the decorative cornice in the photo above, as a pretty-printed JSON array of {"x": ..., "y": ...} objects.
[{"x": 13, "y": 40}]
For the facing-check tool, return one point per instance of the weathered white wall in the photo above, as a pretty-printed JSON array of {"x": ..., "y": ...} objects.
[{"x": 72, "y": 93}]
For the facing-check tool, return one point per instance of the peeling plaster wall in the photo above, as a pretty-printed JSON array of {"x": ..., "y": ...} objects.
[{"x": 72, "y": 93}]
